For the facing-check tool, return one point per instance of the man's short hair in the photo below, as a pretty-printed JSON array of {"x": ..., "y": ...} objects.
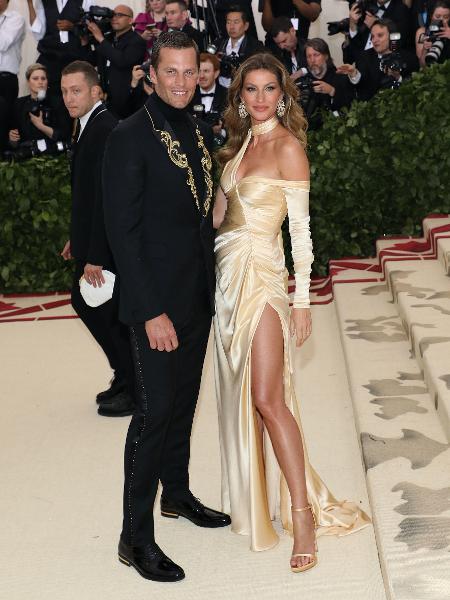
[
  {"x": 177, "y": 40},
  {"x": 212, "y": 58},
  {"x": 280, "y": 24},
  {"x": 236, "y": 8},
  {"x": 34, "y": 67},
  {"x": 181, "y": 3},
  {"x": 388, "y": 23},
  {"x": 81, "y": 66}
]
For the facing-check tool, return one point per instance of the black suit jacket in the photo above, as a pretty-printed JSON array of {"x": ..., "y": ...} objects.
[
  {"x": 123, "y": 54},
  {"x": 249, "y": 46},
  {"x": 161, "y": 243},
  {"x": 194, "y": 34},
  {"x": 88, "y": 237},
  {"x": 368, "y": 65}
]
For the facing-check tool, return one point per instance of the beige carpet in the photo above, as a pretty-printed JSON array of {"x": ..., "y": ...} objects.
[{"x": 61, "y": 469}]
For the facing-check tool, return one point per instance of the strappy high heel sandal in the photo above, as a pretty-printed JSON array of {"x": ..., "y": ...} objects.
[{"x": 313, "y": 562}]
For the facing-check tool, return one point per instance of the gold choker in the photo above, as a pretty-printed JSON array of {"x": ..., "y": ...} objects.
[{"x": 265, "y": 127}]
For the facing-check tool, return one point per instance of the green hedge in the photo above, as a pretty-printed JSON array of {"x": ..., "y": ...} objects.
[
  {"x": 34, "y": 225},
  {"x": 376, "y": 171}
]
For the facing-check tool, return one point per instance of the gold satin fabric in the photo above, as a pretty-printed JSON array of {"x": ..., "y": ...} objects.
[{"x": 251, "y": 273}]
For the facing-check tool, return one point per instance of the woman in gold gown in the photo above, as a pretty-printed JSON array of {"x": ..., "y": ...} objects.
[{"x": 265, "y": 177}]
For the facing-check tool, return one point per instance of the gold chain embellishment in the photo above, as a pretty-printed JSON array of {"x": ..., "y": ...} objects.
[{"x": 181, "y": 161}]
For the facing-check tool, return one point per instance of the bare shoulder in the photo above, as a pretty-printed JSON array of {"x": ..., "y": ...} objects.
[{"x": 292, "y": 160}]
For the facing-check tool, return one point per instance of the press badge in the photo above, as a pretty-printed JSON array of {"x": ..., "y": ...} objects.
[
  {"x": 294, "y": 22},
  {"x": 108, "y": 63}
]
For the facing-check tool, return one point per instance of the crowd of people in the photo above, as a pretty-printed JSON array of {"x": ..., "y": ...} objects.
[{"x": 385, "y": 41}]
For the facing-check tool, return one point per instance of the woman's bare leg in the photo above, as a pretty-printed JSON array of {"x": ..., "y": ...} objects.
[{"x": 268, "y": 397}]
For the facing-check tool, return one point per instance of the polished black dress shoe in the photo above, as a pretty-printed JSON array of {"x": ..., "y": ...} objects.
[
  {"x": 150, "y": 562},
  {"x": 115, "y": 386},
  {"x": 120, "y": 405},
  {"x": 191, "y": 508}
]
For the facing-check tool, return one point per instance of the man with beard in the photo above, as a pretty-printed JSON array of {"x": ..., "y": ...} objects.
[{"x": 158, "y": 211}]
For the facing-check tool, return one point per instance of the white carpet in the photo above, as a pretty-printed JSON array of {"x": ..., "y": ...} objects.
[{"x": 61, "y": 468}]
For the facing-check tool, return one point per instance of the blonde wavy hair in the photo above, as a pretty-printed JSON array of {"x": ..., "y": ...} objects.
[{"x": 237, "y": 128}]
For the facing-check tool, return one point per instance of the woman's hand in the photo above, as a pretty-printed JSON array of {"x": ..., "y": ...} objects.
[
  {"x": 301, "y": 324},
  {"x": 38, "y": 122}
]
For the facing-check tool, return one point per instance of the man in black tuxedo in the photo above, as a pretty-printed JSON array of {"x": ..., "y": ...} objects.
[
  {"x": 88, "y": 244},
  {"x": 210, "y": 94},
  {"x": 116, "y": 55},
  {"x": 177, "y": 19},
  {"x": 291, "y": 45},
  {"x": 367, "y": 75},
  {"x": 359, "y": 38},
  {"x": 238, "y": 46},
  {"x": 158, "y": 212}
]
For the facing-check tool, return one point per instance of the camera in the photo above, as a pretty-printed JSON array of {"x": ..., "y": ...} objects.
[
  {"x": 38, "y": 106},
  {"x": 434, "y": 53},
  {"x": 212, "y": 118},
  {"x": 146, "y": 68},
  {"x": 100, "y": 15},
  {"x": 343, "y": 26},
  {"x": 228, "y": 62},
  {"x": 392, "y": 62},
  {"x": 305, "y": 85}
]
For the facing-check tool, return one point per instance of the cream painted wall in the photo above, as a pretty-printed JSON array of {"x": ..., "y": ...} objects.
[{"x": 332, "y": 10}]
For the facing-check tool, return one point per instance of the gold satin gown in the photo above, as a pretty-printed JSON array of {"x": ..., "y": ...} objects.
[{"x": 251, "y": 273}]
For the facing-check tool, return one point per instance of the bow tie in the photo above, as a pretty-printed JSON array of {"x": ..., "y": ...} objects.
[
  {"x": 207, "y": 95},
  {"x": 382, "y": 8}
]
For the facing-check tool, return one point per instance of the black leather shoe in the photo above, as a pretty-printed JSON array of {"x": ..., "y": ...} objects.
[
  {"x": 115, "y": 386},
  {"x": 150, "y": 562},
  {"x": 191, "y": 508},
  {"x": 120, "y": 405}
]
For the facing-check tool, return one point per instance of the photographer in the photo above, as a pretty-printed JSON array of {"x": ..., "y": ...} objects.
[
  {"x": 322, "y": 88},
  {"x": 238, "y": 46},
  {"x": 303, "y": 13},
  {"x": 53, "y": 24},
  {"x": 177, "y": 18},
  {"x": 363, "y": 14},
  {"x": 38, "y": 118},
  {"x": 291, "y": 45},
  {"x": 116, "y": 54},
  {"x": 382, "y": 66},
  {"x": 210, "y": 95},
  {"x": 432, "y": 42}
]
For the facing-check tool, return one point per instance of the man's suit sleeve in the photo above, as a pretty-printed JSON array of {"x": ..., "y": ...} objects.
[
  {"x": 123, "y": 201},
  {"x": 98, "y": 252}
]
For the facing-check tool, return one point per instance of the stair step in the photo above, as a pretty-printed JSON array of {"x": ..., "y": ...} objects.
[
  {"x": 405, "y": 449},
  {"x": 444, "y": 254}
]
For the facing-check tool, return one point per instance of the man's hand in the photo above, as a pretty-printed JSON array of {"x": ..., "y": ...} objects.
[
  {"x": 161, "y": 334},
  {"x": 14, "y": 136},
  {"x": 96, "y": 31},
  {"x": 349, "y": 70},
  {"x": 321, "y": 87},
  {"x": 94, "y": 275},
  {"x": 66, "y": 254},
  {"x": 64, "y": 25},
  {"x": 136, "y": 75},
  {"x": 369, "y": 20},
  {"x": 301, "y": 324}
]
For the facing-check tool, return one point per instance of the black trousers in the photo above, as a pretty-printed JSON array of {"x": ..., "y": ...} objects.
[
  {"x": 103, "y": 323},
  {"x": 158, "y": 441}
]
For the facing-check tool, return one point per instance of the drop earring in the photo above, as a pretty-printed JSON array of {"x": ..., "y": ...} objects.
[
  {"x": 281, "y": 107},
  {"x": 242, "y": 110}
]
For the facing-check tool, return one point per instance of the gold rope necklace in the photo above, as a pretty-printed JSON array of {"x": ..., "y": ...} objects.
[{"x": 180, "y": 160}]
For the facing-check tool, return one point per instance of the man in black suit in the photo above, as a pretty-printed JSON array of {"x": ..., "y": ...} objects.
[
  {"x": 291, "y": 46},
  {"x": 88, "y": 244},
  {"x": 177, "y": 19},
  {"x": 210, "y": 94},
  {"x": 238, "y": 46},
  {"x": 369, "y": 75},
  {"x": 158, "y": 212},
  {"x": 359, "y": 38},
  {"x": 117, "y": 54}
]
